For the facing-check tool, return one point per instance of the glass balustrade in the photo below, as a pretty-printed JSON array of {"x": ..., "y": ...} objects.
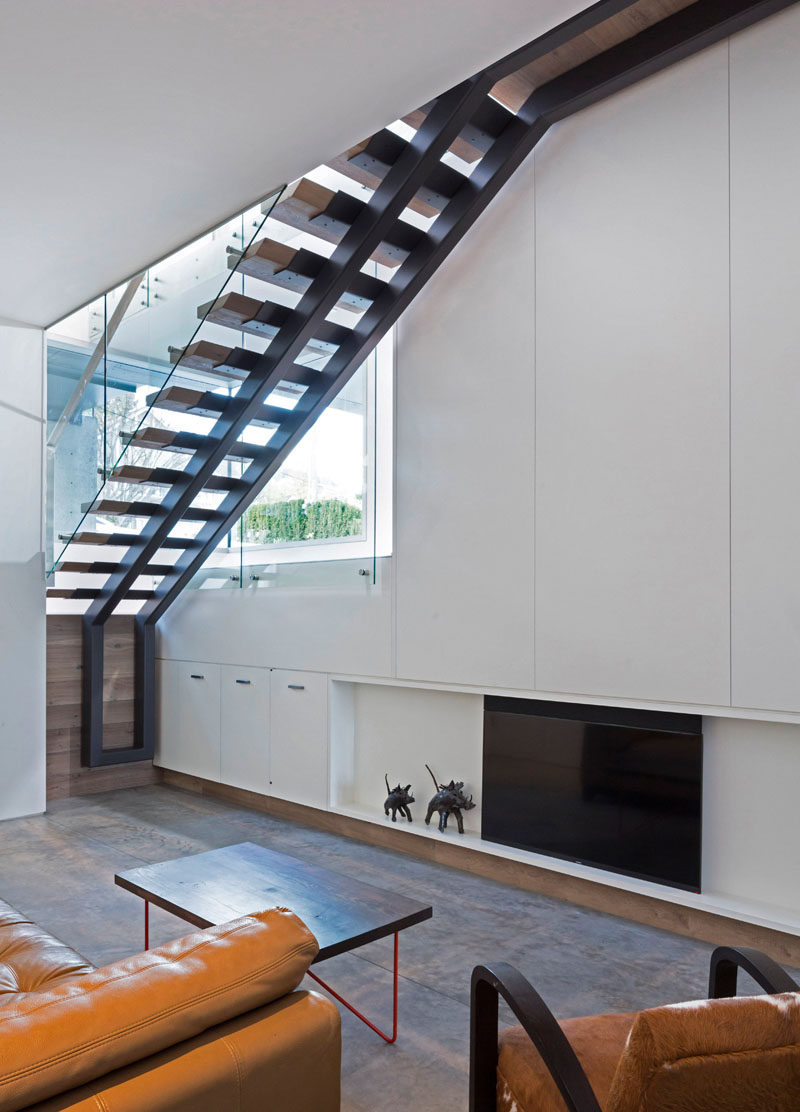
[
  {"x": 131, "y": 379},
  {"x": 108, "y": 361}
]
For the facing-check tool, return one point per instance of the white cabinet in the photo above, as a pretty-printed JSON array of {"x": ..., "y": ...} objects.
[
  {"x": 244, "y": 730},
  {"x": 263, "y": 731},
  {"x": 298, "y": 737},
  {"x": 193, "y": 742},
  {"x": 166, "y": 711}
]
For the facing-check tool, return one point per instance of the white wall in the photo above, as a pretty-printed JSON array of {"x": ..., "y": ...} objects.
[
  {"x": 632, "y": 488},
  {"x": 22, "y": 621},
  {"x": 325, "y": 618},
  {"x": 465, "y": 458}
]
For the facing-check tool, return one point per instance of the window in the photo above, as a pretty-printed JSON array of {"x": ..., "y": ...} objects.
[{"x": 331, "y": 499}]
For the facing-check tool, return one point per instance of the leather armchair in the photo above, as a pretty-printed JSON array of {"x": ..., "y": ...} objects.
[
  {"x": 206, "y": 1023},
  {"x": 723, "y": 1054}
]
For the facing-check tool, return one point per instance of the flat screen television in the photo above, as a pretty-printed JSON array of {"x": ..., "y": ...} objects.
[{"x": 615, "y": 788}]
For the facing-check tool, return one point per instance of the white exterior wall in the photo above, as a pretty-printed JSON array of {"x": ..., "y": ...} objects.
[
  {"x": 22, "y": 620},
  {"x": 597, "y": 463}
]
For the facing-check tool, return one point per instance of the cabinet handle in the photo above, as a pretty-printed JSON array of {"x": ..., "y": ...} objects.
[
  {"x": 197, "y": 676},
  {"x": 296, "y": 686},
  {"x": 243, "y": 681}
]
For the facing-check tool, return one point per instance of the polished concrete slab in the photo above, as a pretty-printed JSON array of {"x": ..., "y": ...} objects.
[{"x": 59, "y": 868}]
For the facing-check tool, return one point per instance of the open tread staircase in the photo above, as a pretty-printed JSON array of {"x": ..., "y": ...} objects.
[{"x": 463, "y": 147}]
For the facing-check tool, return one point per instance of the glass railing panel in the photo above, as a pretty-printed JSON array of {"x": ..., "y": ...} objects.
[
  {"x": 137, "y": 335},
  {"x": 76, "y": 394}
]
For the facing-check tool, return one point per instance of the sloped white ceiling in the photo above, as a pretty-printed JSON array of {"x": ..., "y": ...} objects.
[{"x": 129, "y": 126}]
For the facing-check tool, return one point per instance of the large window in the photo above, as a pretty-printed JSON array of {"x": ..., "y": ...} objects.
[{"x": 331, "y": 499}]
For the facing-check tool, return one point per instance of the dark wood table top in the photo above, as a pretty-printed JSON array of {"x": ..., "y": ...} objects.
[{"x": 222, "y": 884}]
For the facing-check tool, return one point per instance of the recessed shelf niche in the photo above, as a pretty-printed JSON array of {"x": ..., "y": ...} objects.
[{"x": 380, "y": 728}]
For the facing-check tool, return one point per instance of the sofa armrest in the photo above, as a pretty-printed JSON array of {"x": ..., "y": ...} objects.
[
  {"x": 54, "y": 1041},
  {"x": 539, "y": 1024},
  {"x": 286, "y": 1056}
]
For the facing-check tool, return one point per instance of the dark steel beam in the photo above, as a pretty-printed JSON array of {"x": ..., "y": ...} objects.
[
  {"x": 558, "y": 36},
  {"x": 677, "y": 37}
]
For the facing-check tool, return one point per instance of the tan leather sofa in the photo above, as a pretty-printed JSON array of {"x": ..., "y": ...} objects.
[{"x": 208, "y": 1023}]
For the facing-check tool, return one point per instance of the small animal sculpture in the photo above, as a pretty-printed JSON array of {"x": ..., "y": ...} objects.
[
  {"x": 398, "y": 799},
  {"x": 449, "y": 800}
]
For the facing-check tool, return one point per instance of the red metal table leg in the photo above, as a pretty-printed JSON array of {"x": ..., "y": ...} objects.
[
  {"x": 350, "y": 1008},
  {"x": 147, "y": 924}
]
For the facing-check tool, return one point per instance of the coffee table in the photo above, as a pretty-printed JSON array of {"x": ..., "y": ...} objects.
[{"x": 210, "y": 888}]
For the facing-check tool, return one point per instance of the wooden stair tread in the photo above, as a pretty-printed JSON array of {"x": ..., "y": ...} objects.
[
  {"x": 245, "y": 360},
  {"x": 165, "y": 440},
  {"x": 106, "y": 567},
  {"x": 300, "y": 203},
  {"x": 359, "y": 167},
  {"x": 221, "y": 362},
  {"x": 165, "y": 476},
  {"x": 326, "y": 214},
  {"x": 262, "y": 318},
  {"x": 461, "y": 147},
  {"x": 143, "y": 509},
  {"x": 124, "y": 540},
  {"x": 292, "y": 269},
  {"x": 370, "y": 161},
  {"x": 94, "y": 592},
  {"x": 477, "y": 136},
  {"x": 267, "y": 260},
  {"x": 203, "y": 403}
]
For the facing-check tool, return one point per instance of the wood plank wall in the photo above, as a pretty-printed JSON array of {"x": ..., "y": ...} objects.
[{"x": 65, "y": 774}]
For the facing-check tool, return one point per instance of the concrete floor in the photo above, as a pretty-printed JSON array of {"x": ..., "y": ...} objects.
[{"x": 58, "y": 868}]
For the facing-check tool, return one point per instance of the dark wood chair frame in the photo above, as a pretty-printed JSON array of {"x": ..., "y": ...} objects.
[{"x": 541, "y": 1026}]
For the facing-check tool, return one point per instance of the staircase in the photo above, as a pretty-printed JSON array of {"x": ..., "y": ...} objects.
[{"x": 421, "y": 195}]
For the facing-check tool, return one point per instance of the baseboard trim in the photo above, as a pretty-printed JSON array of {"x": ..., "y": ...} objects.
[{"x": 705, "y": 926}]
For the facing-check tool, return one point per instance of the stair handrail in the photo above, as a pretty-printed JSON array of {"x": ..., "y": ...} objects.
[
  {"x": 94, "y": 359},
  {"x": 113, "y": 324}
]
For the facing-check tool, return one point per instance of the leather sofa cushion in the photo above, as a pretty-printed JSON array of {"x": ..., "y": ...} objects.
[
  {"x": 284, "y": 1057},
  {"x": 734, "y": 1055},
  {"x": 53, "y": 1041},
  {"x": 31, "y": 960},
  {"x": 523, "y": 1081}
]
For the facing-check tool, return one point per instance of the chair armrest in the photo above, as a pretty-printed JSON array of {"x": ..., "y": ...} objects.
[
  {"x": 539, "y": 1024},
  {"x": 726, "y": 961}
]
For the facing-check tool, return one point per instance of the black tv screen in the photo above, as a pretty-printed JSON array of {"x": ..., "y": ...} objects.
[{"x": 615, "y": 788}]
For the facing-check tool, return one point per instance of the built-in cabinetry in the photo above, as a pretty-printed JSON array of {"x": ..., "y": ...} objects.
[
  {"x": 260, "y": 729},
  {"x": 327, "y": 741}
]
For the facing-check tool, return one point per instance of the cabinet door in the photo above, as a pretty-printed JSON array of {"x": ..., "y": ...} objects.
[
  {"x": 197, "y": 747},
  {"x": 167, "y": 726},
  {"x": 298, "y": 737},
  {"x": 244, "y": 751}
]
